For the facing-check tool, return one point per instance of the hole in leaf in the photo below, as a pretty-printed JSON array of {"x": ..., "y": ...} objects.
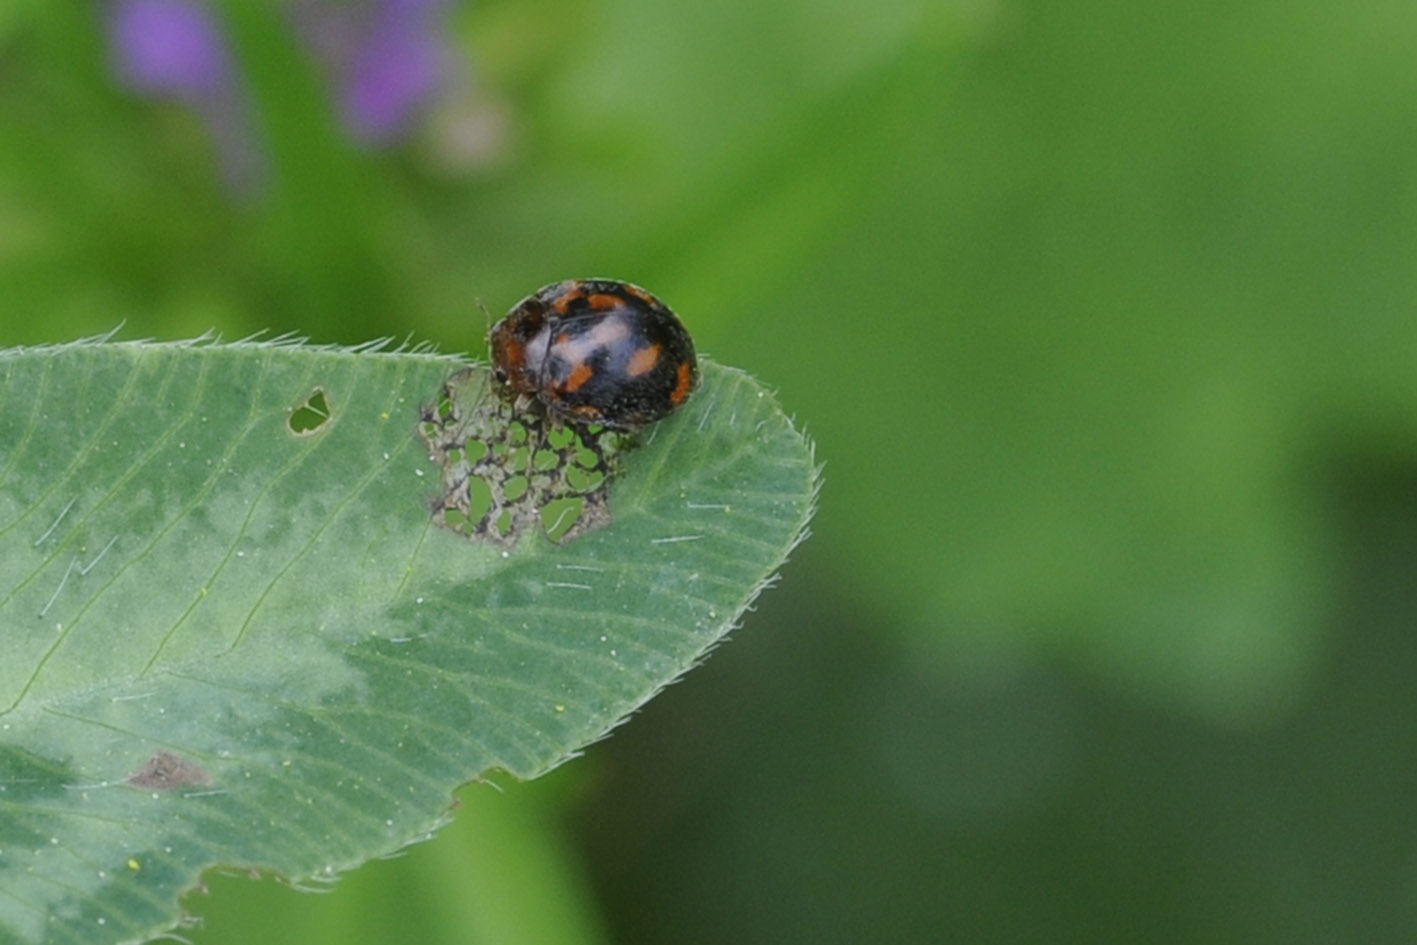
[
  {"x": 584, "y": 480},
  {"x": 559, "y": 516},
  {"x": 479, "y": 500},
  {"x": 311, "y": 415}
]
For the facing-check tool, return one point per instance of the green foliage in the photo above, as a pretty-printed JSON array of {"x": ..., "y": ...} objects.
[
  {"x": 234, "y": 634},
  {"x": 1102, "y": 313}
]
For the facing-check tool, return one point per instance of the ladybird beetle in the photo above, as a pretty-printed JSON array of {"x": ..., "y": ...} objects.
[{"x": 595, "y": 352}]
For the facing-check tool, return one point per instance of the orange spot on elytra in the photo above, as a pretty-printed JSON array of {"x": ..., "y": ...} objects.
[
  {"x": 512, "y": 353},
  {"x": 686, "y": 383},
  {"x": 643, "y": 360},
  {"x": 579, "y": 375},
  {"x": 601, "y": 302},
  {"x": 563, "y": 304}
]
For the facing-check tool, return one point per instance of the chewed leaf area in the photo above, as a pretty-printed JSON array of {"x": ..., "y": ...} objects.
[
  {"x": 508, "y": 472},
  {"x": 311, "y": 415}
]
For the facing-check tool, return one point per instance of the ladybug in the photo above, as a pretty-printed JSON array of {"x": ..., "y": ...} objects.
[{"x": 595, "y": 352}]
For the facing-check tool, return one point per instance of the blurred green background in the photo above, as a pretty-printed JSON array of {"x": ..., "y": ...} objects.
[{"x": 1102, "y": 316}]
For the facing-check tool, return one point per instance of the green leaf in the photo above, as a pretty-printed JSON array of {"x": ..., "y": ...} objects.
[{"x": 233, "y": 633}]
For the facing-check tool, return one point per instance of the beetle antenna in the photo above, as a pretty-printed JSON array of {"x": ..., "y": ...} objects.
[{"x": 486, "y": 317}]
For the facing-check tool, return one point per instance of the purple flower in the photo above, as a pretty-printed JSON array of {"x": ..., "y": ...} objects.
[
  {"x": 169, "y": 47},
  {"x": 176, "y": 49},
  {"x": 388, "y": 58}
]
